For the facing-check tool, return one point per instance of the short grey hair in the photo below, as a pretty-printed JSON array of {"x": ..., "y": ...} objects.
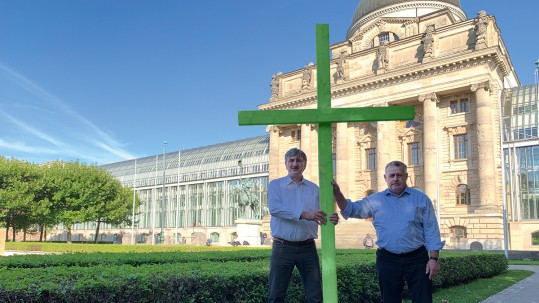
[
  {"x": 295, "y": 152},
  {"x": 397, "y": 164}
]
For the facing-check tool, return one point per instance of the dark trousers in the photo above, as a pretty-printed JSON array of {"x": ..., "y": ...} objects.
[
  {"x": 282, "y": 261},
  {"x": 393, "y": 268}
]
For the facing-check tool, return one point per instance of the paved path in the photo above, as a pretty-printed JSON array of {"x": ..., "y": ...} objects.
[
  {"x": 22, "y": 252},
  {"x": 525, "y": 291}
]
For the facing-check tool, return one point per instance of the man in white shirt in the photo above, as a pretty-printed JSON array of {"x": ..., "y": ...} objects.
[{"x": 294, "y": 206}]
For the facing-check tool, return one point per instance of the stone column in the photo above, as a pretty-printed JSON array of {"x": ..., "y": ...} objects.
[
  {"x": 314, "y": 155},
  {"x": 275, "y": 161},
  {"x": 305, "y": 146},
  {"x": 485, "y": 146},
  {"x": 429, "y": 143},
  {"x": 3, "y": 232},
  {"x": 383, "y": 151},
  {"x": 341, "y": 160}
]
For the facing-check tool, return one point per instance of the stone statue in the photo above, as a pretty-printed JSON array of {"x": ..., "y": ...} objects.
[
  {"x": 428, "y": 42},
  {"x": 246, "y": 196},
  {"x": 481, "y": 23},
  {"x": 306, "y": 79},
  {"x": 340, "y": 66},
  {"x": 274, "y": 85},
  {"x": 381, "y": 56}
]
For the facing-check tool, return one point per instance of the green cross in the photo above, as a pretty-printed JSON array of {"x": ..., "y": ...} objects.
[{"x": 324, "y": 115}]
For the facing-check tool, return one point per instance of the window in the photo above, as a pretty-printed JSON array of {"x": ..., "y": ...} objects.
[
  {"x": 463, "y": 194},
  {"x": 370, "y": 158},
  {"x": 296, "y": 135},
  {"x": 459, "y": 106},
  {"x": 459, "y": 232},
  {"x": 414, "y": 153},
  {"x": 384, "y": 37},
  {"x": 535, "y": 238},
  {"x": 526, "y": 108},
  {"x": 460, "y": 144}
]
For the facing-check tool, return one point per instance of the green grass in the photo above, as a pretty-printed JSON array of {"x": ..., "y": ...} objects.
[
  {"x": 523, "y": 262},
  {"x": 115, "y": 248},
  {"x": 478, "y": 290}
]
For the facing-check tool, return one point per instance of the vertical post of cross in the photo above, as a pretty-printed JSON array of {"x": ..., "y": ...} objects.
[{"x": 325, "y": 162}]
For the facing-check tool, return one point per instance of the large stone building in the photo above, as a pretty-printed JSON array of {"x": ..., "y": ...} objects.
[
  {"x": 453, "y": 69},
  {"x": 457, "y": 74}
]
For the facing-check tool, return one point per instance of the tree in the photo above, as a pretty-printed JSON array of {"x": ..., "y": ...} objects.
[
  {"x": 18, "y": 181},
  {"x": 65, "y": 180},
  {"x": 107, "y": 201}
]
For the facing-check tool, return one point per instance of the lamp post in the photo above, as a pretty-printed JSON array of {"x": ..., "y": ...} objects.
[
  {"x": 240, "y": 165},
  {"x": 163, "y": 191}
]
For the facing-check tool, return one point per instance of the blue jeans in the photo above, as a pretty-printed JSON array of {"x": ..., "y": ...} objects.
[{"x": 283, "y": 259}]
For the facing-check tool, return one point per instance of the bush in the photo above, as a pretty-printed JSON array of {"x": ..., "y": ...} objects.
[{"x": 211, "y": 276}]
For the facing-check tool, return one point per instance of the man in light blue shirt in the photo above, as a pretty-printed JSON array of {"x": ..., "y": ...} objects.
[
  {"x": 407, "y": 232},
  {"x": 294, "y": 206}
]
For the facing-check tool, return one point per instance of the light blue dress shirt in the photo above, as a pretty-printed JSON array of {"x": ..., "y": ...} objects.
[
  {"x": 403, "y": 223},
  {"x": 286, "y": 201}
]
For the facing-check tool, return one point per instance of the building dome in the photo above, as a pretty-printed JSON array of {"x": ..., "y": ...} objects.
[{"x": 369, "y": 9}]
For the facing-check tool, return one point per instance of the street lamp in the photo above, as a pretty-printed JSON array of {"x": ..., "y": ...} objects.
[
  {"x": 163, "y": 191},
  {"x": 240, "y": 165}
]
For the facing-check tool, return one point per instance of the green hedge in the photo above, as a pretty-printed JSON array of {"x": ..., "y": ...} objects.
[
  {"x": 206, "y": 281},
  {"x": 134, "y": 259}
]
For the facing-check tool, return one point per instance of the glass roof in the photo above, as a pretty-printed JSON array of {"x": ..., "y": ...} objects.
[{"x": 251, "y": 151}]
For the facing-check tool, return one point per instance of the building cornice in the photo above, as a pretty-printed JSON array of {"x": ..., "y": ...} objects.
[{"x": 396, "y": 76}]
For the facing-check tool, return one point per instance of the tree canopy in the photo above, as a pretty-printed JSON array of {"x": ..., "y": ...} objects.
[{"x": 63, "y": 193}]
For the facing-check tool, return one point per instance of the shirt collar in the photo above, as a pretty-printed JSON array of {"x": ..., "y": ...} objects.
[
  {"x": 405, "y": 191},
  {"x": 289, "y": 180}
]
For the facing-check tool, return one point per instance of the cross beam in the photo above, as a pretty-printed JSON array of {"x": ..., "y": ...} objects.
[{"x": 324, "y": 115}]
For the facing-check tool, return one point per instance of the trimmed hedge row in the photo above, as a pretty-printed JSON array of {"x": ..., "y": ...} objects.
[
  {"x": 223, "y": 281},
  {"x": 133, "y": 259}
]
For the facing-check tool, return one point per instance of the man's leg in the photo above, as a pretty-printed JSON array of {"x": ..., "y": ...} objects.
[
  {"x": 418, "y": 282},
  {"x": 309, "y": 269},
  {"x": 282, "y": 262},
  {"x": 390, "y": 276}
]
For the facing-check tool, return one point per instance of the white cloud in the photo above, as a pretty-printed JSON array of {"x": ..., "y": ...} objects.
[{"x": 79, "y": 137}]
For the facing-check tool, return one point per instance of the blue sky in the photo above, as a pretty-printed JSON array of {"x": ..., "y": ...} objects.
[{"x": 105, "y": 81}]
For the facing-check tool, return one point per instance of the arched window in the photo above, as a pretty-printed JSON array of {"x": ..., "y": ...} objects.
[
  {"x": 535, "y": 238},
  {"x": 384, "y": 37},
  {"x": 462, "y": 193},
  {"x": 458, "y": 231}
]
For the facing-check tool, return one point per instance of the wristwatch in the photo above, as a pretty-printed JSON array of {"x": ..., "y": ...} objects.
[{"x": 433, "y": 258}]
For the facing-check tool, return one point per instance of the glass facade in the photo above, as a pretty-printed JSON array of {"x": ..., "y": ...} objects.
[
  {"x": 198, "y": 186},
  {"x": 521, "y": 152}
]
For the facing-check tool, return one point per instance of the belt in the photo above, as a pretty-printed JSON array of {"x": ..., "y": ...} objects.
[
  {"x": 403, "y": 254},
  {"x": 294, "y": 243}
]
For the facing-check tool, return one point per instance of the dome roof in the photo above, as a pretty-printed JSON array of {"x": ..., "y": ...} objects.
[{"x": 365, "y": 7}]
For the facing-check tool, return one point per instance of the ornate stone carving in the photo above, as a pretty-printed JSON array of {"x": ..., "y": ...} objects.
[
  {"x": 382, "y": 60},
  {"x": 274, "y": 129},
  {"x": 307, "y": 76},
  {"x": 428, "y": 44},
  {"x": 275, "y": 85},
  {"x": 456, "y": 130},
  {"x": 484, "y": 85},
  {"x": 339, "y": 75},
  {"x": 481, "y": 24},
  {"x": 432, "y": 97}
]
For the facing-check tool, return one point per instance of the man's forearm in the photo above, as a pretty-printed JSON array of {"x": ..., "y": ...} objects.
[{"x": 340, "y": 199}]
